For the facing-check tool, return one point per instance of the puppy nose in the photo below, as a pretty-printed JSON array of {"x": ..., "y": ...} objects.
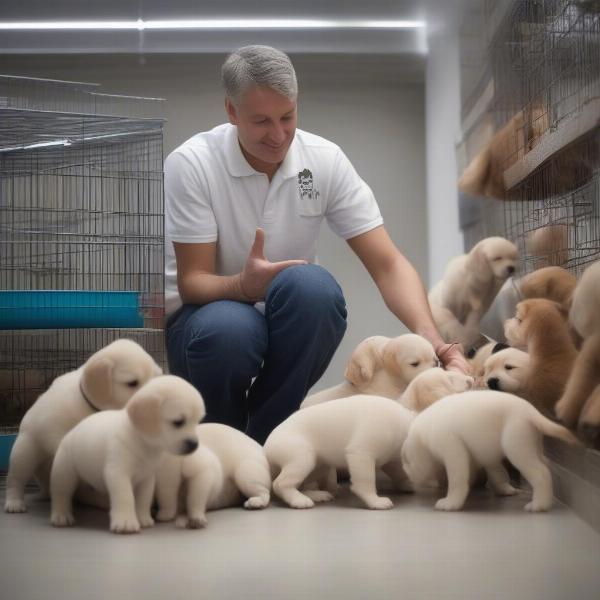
[
  {"x": 189, "y": 446},
  {"x": 510, "y": 270},
  {"x": 493, "y": 383}
]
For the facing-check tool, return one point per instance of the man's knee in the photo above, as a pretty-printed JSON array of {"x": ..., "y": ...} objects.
[
  {"x": 227, "y": 333},
  {"x": 308, "y": 290}
]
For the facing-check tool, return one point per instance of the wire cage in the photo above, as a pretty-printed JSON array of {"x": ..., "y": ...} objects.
[
  {"x": 543, "y": 71},
  {"x": 81, "y": 208},
  {"x": 29, "y": 363},
  {"x": 81, "y": 230},
  {"x": 545, "y": 64}
]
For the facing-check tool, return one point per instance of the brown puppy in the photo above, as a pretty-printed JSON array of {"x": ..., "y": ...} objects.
[
  {"x": 581, "y": 399},
  {"x": 540, "y": 326}
]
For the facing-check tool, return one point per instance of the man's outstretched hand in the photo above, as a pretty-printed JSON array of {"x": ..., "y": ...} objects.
[
  {"x": 258, "y": 272},
  {"x": 453, "y": 358}
]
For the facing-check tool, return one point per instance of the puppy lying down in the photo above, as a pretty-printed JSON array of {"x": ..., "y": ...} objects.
[
  {"x": 381, "y": 366},
  {"x": 107, "y": 380},
  {"x": 359, "y": 433},
  {"x": 227, "y": 467},
  {"x": 117, "y": 452},
  {"x": 464, "y": 432}
]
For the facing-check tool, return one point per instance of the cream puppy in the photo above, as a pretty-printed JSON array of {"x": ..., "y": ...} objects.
[
  {"x": 508, "y": 371},
  {"x": 359, "y": 433},
  {"x": 470, "y": 284},
  {"x": 105, "y": 381},
  {"x": 477, "y": 361},
  {"x": 381, "y": 366},
  {"x": 117, "y": 452},
  {"x": 463, "y": 432},
  {"x": 432, "y": 385},
  {"x": 227, "y": 467}
]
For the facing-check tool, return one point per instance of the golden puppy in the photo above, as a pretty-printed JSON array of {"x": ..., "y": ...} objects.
[
  {"x": 106, "y": 381},
  {"x": 508, "y": 371},
  {"x": 549, "y": 244},
  {"x": 581, "y": 399},
  {"x": 381, "y": 366},
  {"x": 540, "y": 326},
  {"x": 470, "y": 284}
]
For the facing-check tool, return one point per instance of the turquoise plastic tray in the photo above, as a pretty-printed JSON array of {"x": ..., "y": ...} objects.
[{"x": 60, "y": 309}]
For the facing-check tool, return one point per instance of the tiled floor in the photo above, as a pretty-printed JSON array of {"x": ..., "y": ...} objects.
[{"x": 493, "y": 549}]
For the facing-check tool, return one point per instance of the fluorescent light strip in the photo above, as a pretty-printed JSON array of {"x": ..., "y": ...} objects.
[{"x": 221, "y": 24}]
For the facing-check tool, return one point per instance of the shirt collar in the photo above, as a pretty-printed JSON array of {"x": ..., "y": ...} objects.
[{"x": 238, "y": 166}]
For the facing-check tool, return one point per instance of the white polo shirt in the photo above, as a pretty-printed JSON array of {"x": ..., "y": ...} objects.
[{"x": 213, "y": 194}]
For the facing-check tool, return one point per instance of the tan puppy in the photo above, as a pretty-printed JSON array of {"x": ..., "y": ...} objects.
[
  {"x": 552, "y": 283},
  {"x": 431, "y": 385},
  {"x": 359, "y": 433},
  {"x": 117, "y": 452},
  {"x": 580, "y": 402},
  {"x": 106, "y": 381},
  {"x": 227, "y": 467},
  {"x": 550, "y": 244},
  {"x": 508, "y": 371},
  {"x": 470, "y": 284},
  {"x": 477, "y": 429},
  {"x": 381, "y": 366},
  {"x": 484, "y": 176},
  {"x": 540, "y": 327}
]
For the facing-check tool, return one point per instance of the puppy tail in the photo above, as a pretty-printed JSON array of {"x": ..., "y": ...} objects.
[{"x": 552, "y": 429}]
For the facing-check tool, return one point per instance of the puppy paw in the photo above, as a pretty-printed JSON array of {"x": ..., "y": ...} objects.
[
  {"x": 380, "y": 503},
  {"x": 124, "y": 524},
  {"x": 197, "y": 522},
  {"x": 564, "y": 413},
  {"x": 15, "y": 506},
  {"x": 165, "y": 515},
  {"x": 537, "y": 506},
  {"x": 448, "y": 504},
  {"x": 257, "y": 502},
  {"x": 62, "y": 520},
  {"x": 506, "y": 490},
  {"x": 301, "y": 502},
  {"x": 146, "y": 521},
  {"x": 319, "y": 495}
]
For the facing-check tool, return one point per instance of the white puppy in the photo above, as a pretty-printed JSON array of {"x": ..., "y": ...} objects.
[
  {"x": 432, "y": 385},
  {"x": 117, "y": 452},
  {"x": 470, "y": 284},
  {"x": 381, "y": 366},
  {"x": 507, "y": 371},
  {"x": 227, "y": 467},
  {"x": 463, "y": 432},
  {"x": 107, "y": 380},
  {"x": 359, "y": 433}
]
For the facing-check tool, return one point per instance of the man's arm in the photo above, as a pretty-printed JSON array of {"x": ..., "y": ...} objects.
[
  {"x": 198, "y": 284},
  {"x": 402, "y": 291}
]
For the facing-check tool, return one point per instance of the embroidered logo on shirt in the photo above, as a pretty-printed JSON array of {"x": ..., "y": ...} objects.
[{"x": 305, "y": 185}]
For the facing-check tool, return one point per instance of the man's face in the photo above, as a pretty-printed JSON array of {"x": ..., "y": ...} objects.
[{"x": 266, "y": 123}]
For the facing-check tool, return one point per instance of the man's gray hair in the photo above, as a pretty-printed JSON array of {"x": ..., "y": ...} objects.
[{"x": 258, "y": 65}]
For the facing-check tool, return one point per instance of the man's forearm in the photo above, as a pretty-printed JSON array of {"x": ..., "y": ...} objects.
[{"x": 202, "y": 288}]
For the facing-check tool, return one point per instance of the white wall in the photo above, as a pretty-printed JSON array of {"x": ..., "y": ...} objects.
[
  {"x": 378, "y": 123},
  {"x": 443, "y": 130}
]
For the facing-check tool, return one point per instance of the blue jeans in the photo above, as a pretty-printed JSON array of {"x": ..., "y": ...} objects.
[{"x": 222, "y": 346}]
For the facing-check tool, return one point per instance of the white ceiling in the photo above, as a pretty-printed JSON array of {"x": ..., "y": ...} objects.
[{"x": 378, "y": 41}]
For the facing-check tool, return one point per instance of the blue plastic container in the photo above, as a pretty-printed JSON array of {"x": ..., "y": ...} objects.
[
  {"x": 6, "y": 444},
  {"x": 61, "y": 309}
]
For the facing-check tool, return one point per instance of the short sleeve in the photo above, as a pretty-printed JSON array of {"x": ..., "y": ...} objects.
[
  {"x": 189, "y": 217},
  {"x": 351, "y": 206}
]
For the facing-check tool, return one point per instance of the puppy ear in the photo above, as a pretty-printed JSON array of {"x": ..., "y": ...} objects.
[
  {"x": 144, "y": 411},
  {"x": 360, "y": 369},
  {"x": 499, "y": 346},
  {"x": 96, "y": 380}
]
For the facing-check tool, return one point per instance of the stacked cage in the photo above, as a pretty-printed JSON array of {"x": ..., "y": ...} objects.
[
  {"x": 81, "y": 231},
  {"x": 543, "y": 69}
]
